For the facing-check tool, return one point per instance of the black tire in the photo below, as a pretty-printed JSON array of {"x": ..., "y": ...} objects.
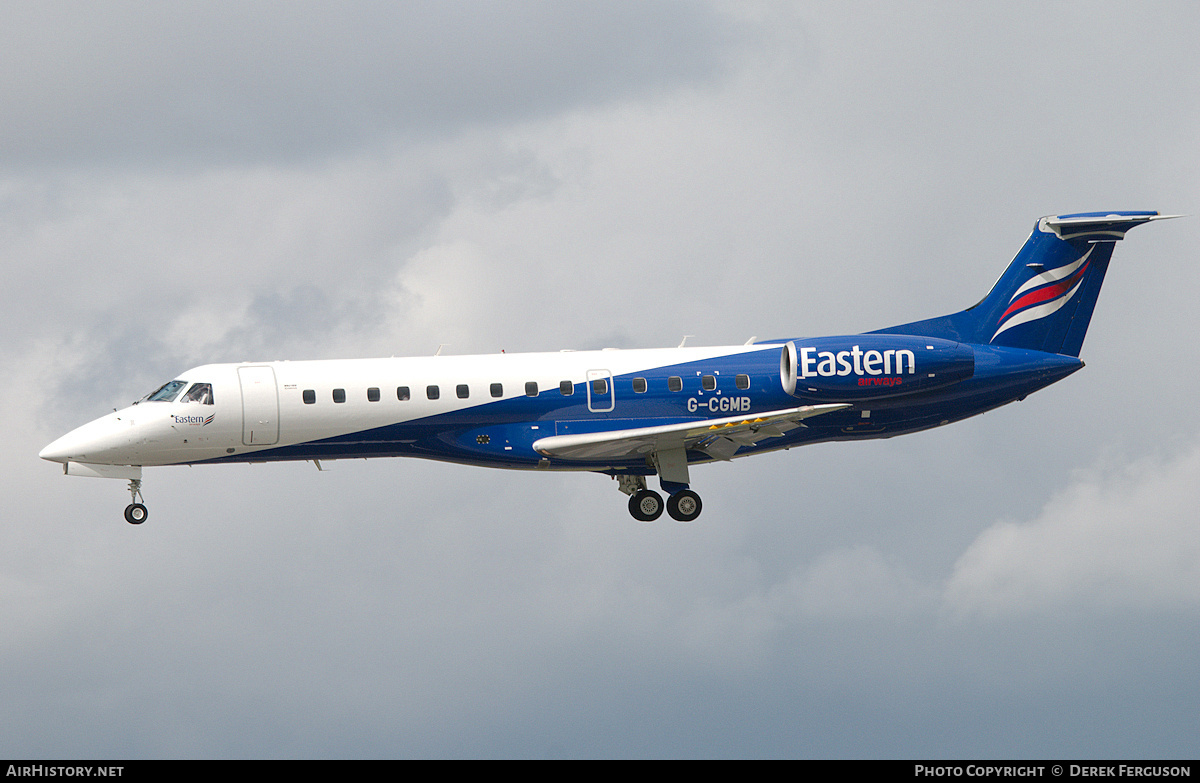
[
  {"x": 684, "y": 506},
  {"x": 136, "y": 513},
  {"x": 646, "y": 505}
]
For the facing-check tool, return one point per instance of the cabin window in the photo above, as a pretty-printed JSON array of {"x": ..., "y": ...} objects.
[
  {"x": 675, "y": 383},
  {"x": 339, "y": 395},
  {"x": 708, "y": 382},
  {"x": 639, "y": 385},
  {"x": 462, "y": 391},
  {"x": 432, "y": 392},
  {"x": 531, "y": 389},
  {"x": 743, "y": 381},
  {"x": 201, "y": 393},
  {"x": 497, "y": 389},
  {"x": 402, "y": 393},
  {"x": 373, "y": 394},
  {"x": 310, "y": 396},
  {"x": 166, "y": 392},
  {"x": 567, "y": 388},
  {"x": 600, "y": 386}
]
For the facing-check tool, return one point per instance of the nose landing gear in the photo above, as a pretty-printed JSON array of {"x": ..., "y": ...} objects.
[{"x": 135, "y": 512}]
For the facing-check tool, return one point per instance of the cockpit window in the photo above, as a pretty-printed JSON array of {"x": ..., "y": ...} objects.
[
  {"x": 201, "y": 393},
  {"x": 166, "y": 392}
]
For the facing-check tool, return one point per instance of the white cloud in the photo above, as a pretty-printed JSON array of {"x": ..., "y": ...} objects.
[{"x": 1116, "y": 538}]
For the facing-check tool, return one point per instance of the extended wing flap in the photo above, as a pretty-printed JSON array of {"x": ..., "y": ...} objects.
[{"x": 714, "y": 435}]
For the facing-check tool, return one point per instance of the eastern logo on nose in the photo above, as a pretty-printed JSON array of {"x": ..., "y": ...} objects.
[{"x": 195, "y": 421}]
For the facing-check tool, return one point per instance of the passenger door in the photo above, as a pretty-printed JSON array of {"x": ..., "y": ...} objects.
[{"x": 260, "y": 406}]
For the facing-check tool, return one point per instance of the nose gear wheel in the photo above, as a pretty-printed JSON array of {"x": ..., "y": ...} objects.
[{"x": 135, "y": 512}]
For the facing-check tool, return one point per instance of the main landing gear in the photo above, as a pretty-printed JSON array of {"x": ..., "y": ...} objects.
[
  {"x": 135, "y": 512},
  {"x": 646, "y": 505}
]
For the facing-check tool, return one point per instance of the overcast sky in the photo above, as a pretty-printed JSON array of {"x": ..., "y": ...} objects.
[{"x": 212, "y": 181}]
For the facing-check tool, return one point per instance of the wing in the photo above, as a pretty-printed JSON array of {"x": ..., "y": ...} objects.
[{"x": 719, "y": 438}]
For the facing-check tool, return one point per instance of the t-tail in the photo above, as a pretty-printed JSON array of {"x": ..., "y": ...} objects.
[{"x": 1045, "y": 299}]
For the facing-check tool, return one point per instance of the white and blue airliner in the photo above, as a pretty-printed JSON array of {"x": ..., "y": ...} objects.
[{"x": 630, "y": 414}]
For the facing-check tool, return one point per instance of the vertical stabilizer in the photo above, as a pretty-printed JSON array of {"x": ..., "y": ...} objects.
[{"x": 1045, "y": 299}]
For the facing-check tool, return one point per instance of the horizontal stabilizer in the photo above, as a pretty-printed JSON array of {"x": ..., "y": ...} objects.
[{"x": 1098, "y": 225}]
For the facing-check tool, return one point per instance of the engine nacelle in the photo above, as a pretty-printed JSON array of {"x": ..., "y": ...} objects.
[{"x": 870, "y": 366}]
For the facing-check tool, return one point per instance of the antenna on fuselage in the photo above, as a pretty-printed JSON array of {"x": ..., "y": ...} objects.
[
  {"x": 684, "y": 340},
  {"x": 438, "y": 352}
]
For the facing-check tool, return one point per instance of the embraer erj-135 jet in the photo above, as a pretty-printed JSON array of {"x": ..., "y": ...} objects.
[{"x": 629, "y": 414}]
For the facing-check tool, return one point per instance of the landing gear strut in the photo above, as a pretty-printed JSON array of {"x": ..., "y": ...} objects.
[{"x": 135, "y": 512}]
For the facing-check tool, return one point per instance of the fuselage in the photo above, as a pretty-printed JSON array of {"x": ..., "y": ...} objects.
[{"x": 491, "y": 410}]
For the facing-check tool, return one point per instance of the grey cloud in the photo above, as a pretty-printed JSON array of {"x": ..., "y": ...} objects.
[{"x": 140, "y": 83}]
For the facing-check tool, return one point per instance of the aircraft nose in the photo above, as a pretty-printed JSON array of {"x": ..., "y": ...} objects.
[
  {"x": 57, "y": 451},
  {"x": 71, "y": 446},
  {"x": 93, "y": 442}
]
